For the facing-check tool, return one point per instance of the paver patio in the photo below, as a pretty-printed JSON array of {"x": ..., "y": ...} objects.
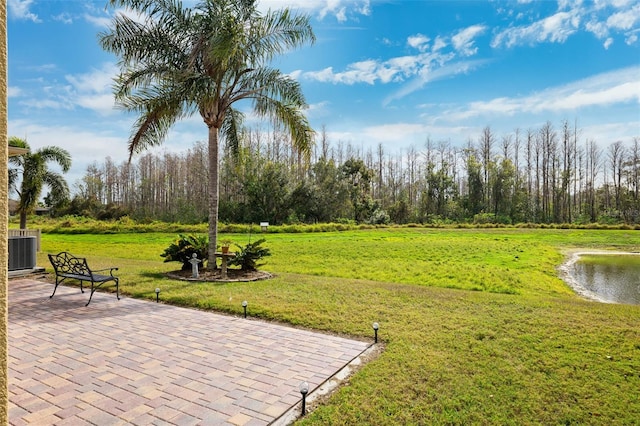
[{"x": 139, "y": 362}]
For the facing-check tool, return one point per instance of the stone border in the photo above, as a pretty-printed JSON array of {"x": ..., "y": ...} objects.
[{"x": 261, "y": 275}]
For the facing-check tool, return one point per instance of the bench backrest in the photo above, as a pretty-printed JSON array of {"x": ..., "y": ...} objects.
[{"x": 66, "y": 263}]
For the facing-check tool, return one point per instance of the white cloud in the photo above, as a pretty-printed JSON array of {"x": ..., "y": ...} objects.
[
  {"x": 408, "y": 64},
  {"x": 364, "y": 8},
  {"x": 95, "y": 81},
  {"x": 439, "y": 44},
  {"x": 103, "y": 20},
  {"x": 618, "y": 17},
  {"x": 463, "y": 41},
  {"x": 84, "y": 146},
  {"x": 399, "y": 135},
  {"x": 573, "y": 97},
  {"x": 419, "y": 69},
  {"x": 555, "y": 28},
  {"x": 616, "y": 87},
  {"x": 317, "y": 110},
  {"x": 19, "y": 9},
  {"x": 624, "y": 20},
  {"x": 13, "y": 91},
  {"x": 396, "y": 69},
  {"x": 36, "y": 103},
  {"x": 611, "y": 132},
  {"x": 342, "y": 10},
  {"x": 396, "y": 132},
  {"x": 359, "y": 72},
  {"x": 45, "y": 68},
  {"x": 65, "y": 18},
  {"x": 601, "y": 18},
  {"x": 98, "y": 21},
  {"x": 428, "y": 65},
  {"x": 295, "y": 74},
  {"x": 93, "y": 90},
  {"x": 418, "y": 41},
  {"x": 325, "y": 76},
  {"x": 363, "y": 71},
  {"x": 428, "y": 75},
  {"x": 598, "y": 28},
  {"x": 103, "y": 104}
]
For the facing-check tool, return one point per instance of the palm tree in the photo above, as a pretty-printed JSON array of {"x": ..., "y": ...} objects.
[
  {"x": 181, "y": 61},
  {"x": 35, "y": 174}
]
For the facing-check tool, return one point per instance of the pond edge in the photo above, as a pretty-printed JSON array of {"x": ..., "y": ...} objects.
[{"x": 573, "y": 257}]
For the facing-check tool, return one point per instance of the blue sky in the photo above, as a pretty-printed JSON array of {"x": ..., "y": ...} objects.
[{"x": 381, "y": 72}]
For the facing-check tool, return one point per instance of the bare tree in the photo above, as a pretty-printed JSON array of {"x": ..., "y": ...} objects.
[
  {"x": 487, "y": 140},
  {"x": 593, "y": 167},
  {"x": 616, "y": 154}
]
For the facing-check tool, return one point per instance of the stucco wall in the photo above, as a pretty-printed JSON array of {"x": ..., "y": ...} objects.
[{"x": 4, "y": 272}]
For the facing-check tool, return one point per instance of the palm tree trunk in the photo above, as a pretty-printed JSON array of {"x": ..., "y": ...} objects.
[
  {"x": 23, "y": 219},
  {"x": 213, "y": 196}
]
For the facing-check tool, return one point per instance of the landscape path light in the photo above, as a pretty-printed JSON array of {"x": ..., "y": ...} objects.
[
  {"x": 244, "y": 305},
  {"x": 376, "y": 326},
  {"x": 157, "y": 295},
  {"x": 304, "y": 390}
]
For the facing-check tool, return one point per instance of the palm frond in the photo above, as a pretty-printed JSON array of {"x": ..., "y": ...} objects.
[
  {"x": 231, "y": 129},
  {"x": 14, "y": 174},
  {"x": 57, "y": 155},
  {"x": 278, "y": 32},
  {"x": 152, "y": 127},
  {"x": 56, "y": 182},
  {"x": 293, "y": 120}
]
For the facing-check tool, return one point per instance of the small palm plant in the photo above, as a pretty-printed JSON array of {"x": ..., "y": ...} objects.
[
  {"x": 249, "y": 255},
  {"x": 183, "y": 248},
  {"x": 33, "y": 169}
]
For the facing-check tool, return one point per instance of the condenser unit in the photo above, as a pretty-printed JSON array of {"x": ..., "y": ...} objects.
[{"x": 22, "y": 253}]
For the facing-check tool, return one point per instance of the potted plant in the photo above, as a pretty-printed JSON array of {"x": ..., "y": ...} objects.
[{"x": 225, "y": 246}]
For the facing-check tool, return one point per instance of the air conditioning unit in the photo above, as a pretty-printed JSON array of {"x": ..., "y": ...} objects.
[{"x": 22, "y": 253}]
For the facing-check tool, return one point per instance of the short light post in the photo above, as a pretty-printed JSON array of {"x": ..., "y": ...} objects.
[
  {"x": 157, "y": 295},
  {"x": 376, "y": 326},
  {"x": 304, "y": 390},
  {"x": 244, "y": 306}
]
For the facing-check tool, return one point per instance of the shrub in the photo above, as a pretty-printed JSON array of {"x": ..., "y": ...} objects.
[
  {"x": 249, "y": 255},
  {"x": 379, "y": 217},
  {"x": 182, "y": 249}
]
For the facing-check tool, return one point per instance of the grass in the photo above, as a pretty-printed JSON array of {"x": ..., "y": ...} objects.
[{"x": 477, "y": 327}]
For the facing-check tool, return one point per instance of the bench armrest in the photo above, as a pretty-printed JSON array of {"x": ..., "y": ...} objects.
[{"x": 106, "y": 269}]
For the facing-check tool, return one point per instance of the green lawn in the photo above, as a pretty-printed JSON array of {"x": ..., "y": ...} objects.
[{"x": 477, "y": 327}]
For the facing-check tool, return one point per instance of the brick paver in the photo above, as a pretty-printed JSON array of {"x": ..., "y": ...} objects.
[{"x": 139, "y": 362}]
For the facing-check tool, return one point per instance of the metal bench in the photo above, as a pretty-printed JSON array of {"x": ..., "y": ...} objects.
[{"x": 67, "y": 265}]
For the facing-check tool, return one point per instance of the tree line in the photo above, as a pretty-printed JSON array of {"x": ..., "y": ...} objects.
[{"x": 544, "y": 175}]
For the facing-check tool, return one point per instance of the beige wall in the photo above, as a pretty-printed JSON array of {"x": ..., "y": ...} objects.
[{"x": 4, "y": 272}]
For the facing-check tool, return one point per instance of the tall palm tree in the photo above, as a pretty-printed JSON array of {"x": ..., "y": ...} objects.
[
  {"x": 33, "y": 168},
  {"x": 176, "y": 62}
]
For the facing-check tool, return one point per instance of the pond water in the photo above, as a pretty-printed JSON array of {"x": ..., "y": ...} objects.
[{"x": 612, "y": 278}]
